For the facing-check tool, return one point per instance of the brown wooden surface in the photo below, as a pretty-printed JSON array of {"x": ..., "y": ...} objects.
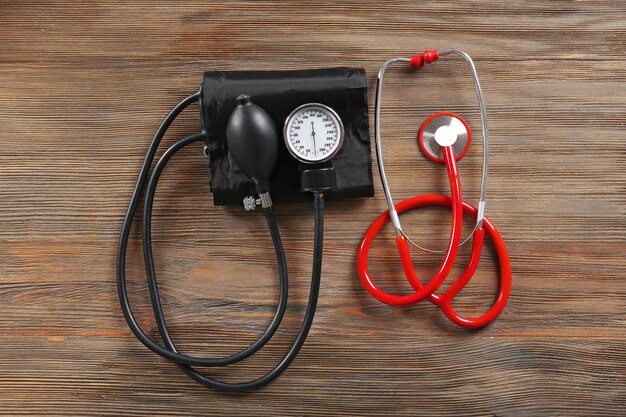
[{"x": 84, "y": 86}]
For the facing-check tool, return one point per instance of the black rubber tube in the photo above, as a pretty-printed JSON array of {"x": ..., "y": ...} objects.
[
  {"x": 306, "y": 323},
  {"x": 170, "y": 351},
  {"x": 152, "y": 280},
  {"x": 122, "y": 290}
]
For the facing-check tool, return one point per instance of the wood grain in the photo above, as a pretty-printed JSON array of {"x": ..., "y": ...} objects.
[{"x": 83, "y": 86}]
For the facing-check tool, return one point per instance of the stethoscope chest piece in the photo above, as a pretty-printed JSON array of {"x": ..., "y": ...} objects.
[{"x": 444, "y": 129}]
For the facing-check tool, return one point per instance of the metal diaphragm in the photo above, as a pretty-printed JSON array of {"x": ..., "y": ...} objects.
[{"x": 453, "y": 125}]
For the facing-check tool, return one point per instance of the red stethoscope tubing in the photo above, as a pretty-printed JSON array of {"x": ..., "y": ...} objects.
[
  {"x": 422, "y": 292},
  {"x": 444, "y": 301}
]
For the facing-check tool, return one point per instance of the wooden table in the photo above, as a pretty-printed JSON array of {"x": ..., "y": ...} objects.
[{"x": 83, "y": 86}]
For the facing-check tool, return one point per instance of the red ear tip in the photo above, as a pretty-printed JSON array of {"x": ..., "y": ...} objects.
[
  {"x": 417, "y": 61},
  {"x": 426, "y": 57},
  {"x": 430, "y": 56}
]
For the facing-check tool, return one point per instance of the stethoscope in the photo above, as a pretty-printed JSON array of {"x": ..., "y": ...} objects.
[{"x": 444, "y": 138}]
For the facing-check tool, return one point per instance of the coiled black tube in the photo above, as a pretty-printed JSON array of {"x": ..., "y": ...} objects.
[
  {"x": 152, "y": 281},
  {"x": 170, "y": 351}
]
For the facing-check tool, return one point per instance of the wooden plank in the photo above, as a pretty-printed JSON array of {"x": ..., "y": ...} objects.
[
  {"x": 400, "y": 376},
  {"x": 83, "y": 87}
]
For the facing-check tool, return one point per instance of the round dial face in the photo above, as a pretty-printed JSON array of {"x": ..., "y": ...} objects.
[{"x": 313, "y": 133}]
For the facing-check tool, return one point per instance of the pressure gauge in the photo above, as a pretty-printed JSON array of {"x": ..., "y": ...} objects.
[{"x": 313, "y": 133}]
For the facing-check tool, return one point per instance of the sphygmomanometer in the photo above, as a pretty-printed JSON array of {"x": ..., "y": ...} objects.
[{"x": 271, "y": 137}]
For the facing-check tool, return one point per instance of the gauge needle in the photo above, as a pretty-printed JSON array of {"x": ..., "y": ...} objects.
[{"x": 313, "y": 136}]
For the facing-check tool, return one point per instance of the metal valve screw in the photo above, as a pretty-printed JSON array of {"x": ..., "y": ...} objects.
[{"x": 250, "y": 202}]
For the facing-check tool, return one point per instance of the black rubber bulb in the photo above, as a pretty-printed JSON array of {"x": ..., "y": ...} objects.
[{"x": 253, "y": 142}]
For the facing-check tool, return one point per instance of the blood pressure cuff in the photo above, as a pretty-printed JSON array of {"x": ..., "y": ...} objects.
[{"x": 279, "y": 93}]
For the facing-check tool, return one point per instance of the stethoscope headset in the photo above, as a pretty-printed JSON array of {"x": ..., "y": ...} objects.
[
  {"x": 444, "y": 138},
  {"x": 253, "y": 143}
]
